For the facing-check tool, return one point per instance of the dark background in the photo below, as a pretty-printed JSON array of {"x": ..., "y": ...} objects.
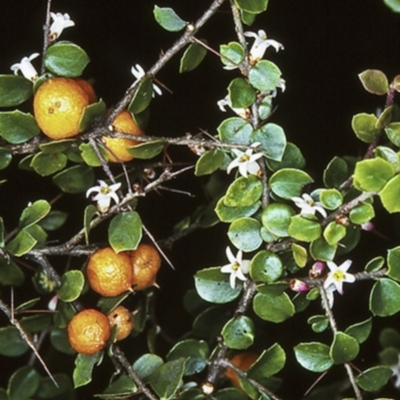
[{"x": 327, "y": 44}]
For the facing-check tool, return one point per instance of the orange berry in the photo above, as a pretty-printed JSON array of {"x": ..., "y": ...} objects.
[
  {"x": 243, "y": 361},
  {"x": 88, "y": 88},
  {"x": 146, "y": 262},
  {"x": 109, "y": 273},
  {"x": 59, "y": 104},
  {"x": 124, "y": 123},
  {"x": 122, "y": 318},
  {"x": 88, "y": 331}
]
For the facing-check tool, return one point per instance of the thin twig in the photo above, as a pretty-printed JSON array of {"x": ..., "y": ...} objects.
[{"x": 46, "y": 39}]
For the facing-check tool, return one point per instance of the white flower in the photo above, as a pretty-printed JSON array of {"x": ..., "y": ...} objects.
[
  {"x": 260, "y": 45},
  {"x": 396, "y": 373},
  {"x": 246, "y": 161},
  {"x": 60, "y": 22},
  {"x": 27, "y": 69},
  {"x": 138, "y": 72},
  {"x": 338, "y": 275},
  {"x": 307, "y": 205},
  {"x": 242, "y": 112},
  {"x": 104, "y": 195},
  {"x": 237, "y": 267}
]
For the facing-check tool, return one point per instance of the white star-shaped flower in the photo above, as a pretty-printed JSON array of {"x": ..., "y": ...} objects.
[
  {"x": 307, "y": 205},
  {"x": 27, "y": 69},
  {"x": 396, "y": 373},
  {"x": 105, "y": 193},
  {"x": 60, "y": 22},
  {"x": 237, "y": 267},
  {"x": 260, "y": 45},
  {"x": 246, "y": 161},
  {"x": 138, "y": 72},
  {"x": 338, "y": 275}
]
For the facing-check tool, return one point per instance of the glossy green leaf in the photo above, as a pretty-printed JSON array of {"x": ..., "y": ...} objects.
[
  {"x": 336, "y": 172},
  {"x": 394, "y": 5},
  {"x": 223, "y": 394},
  {"x": 304, "y": 229},
  {"x": 393, "y": 262},
  {"x": 273, "y": 308},
  {"x": 276, "y": 218},
  {"x": 372, "y": 175},
  {"x": 53, "y": 220},
  {"x": 238, "y": 333},
  {"x": 334, "y": 233},
  {"x": 147, "y": 150},
  {"x": 89, "y": 155},
  {"x": 17, "y": 127},
  {"x": 364, "y": 126},
  {"x": 166, "y": 379},
  {"x": 21, "y": 244},
  {"x": 385, "y": 298},
  {"x": 66, "y": 59},
  {"x": 350, "y": 241},
  {"x": 362, "y": 214},
  {"x": 266, "y": 267},
  {"x": 232, "y": 54},
  {"x": 14, "y": 90},
  {"x": 76, "y": 179},
  {"x": 146, "y": 365},
  {"x": 84, "y": 364},
  {"x": 241, "y": 93},
  {"x": 5, "y": 157},
  {"x": 23, "y": 383},
  {"x": 235, "y": 130},
  {"x": 321, "y": 250},
  {"x": 265, "y": 110},
  {"x": 71, "y": 285},
  {"x": 331, "y": 199},
  {"x": 213, "y": 286},
  {"x": 36, "y": 323},
  {"x": 288, "y": 182},
  {"x": 229, "y": 214},
  {"x": 390, "y": 195},
  {"x": 92, "y": 113},
  {"x": 247, "y": 18},
  {"x": 142, "y": 97},
  {"x": 313, "y": 356},
  {"x": 269, "y": 363},
  {"x": 57, "y": 146},
  {"x": 292, "y": 158},
  {"x": 393, "y": 133},
  {"x": 168, "y": 19},
  {"x": 273, "y": 140},
  {"x": 37, "y": 232},
  {"x": 373, "y": 379},
  {"x": 265, "y": 76},
  {"x": 375, "y": 264},
  {"x": 344, "y": 348},
  {"x": 47, "y": 164},
  {"x": 10, "y": 273},
  {"x": 209, "y": 162},
  {"x": 318, "y": 323},
  {"x": 361, "y": 330},
  {"x": 34, "y": 213},
  {"x": 387, "y": 154},
  {"x": 243, "y": 192},
  {"x": 244, "y": 233},
  {"x": 59, "y": 340},
  {"x": 64, "y": 391},
  {"x": 123, "y": 386},
  {"x": 299, "y": 254},
  {"x": 252, "y": 6},
  {"x": 11, "y": 342},
  {"x": 374, "y": 81},
  {"x": 192, "y": 57},
  {"x": 384, "y": 117},
  {"x": 125, "y": 231}
]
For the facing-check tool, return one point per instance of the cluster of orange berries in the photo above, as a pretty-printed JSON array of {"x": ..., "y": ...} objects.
[{"x": 111, "y": 274}]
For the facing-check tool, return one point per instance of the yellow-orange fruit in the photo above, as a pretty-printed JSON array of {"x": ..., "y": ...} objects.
[
  {"x": 88, "y": 331},
  {"x": 125, "y": 123},
  {"x": 122, "y": 318},
  {"x": 109, "y": 273},
  {"x": 146, "y": 262},
  {"x": 58, "y": 106},
  {"x": 243, "y": 361}
]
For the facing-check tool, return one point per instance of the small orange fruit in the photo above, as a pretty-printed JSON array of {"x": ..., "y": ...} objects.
[
  {"x": 58, "y": 106},
  {"x": 122, "y": 318},
  {"x": 146, "y": 262},
  {"x": 243, "y": 361},
  {"x": 109, "y": 273},
  {"x": 124, "y": 123},
  {"x": 88, "y": 331}
]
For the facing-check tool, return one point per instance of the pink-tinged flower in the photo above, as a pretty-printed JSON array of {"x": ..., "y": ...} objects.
[
  {"x": 308, "y": 206},
  {"x": 138, "y": 72},
  {"x": 52, "y": 305},
  {"x": 27, "y": 69},
  {"x": 246, "y": 161},
  {"x": 396, "y": 373},
  {"x": 237, "y": 267},
  {"x": 260, "y": 45},
  {"x": 298, "y": 286},
  {"x": 60, "y": 22},
  {"x": 105, "y": 193},
  {"x": 316, "y": 270},
  {"x": 368, "y": 226},
  {"x": 338, "y": 275}
]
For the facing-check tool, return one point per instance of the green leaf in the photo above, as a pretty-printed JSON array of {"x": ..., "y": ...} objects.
[
  {"x": 84, "y": 364},
  {"x": 375, "y": 264},
  {"x": 393, "y": 262},
  {"x": 34, "y": 213},
  {"x": 373, "y": 379},
  {"x": 247, "y": 18},
  {"x": 235, "y": 130},
  {"x": 232, "y": 54},
  {"x": 269, "y": 363},
  {"x": 393, "y": 133},
  {"x": 89, "y": 155},
  {"x": 209, "y": 162},
  {"x": 125, "y": 231},
  {"x": 385, "y": 298},
  {"x": 2, "y": 232},
  {"x": 59, "y": 340},
  {"x": 47, "y": 164},
  {"x": 362, "y": 214},
  {"x": 192, "y": 57},
  {"x": 71, "y": 285},
  {"x": 76, "y": 179},
  {"x": 209, "y": 323},
  {"x": 266, "y": 267},
  {"x": 292, "y": 158},
  {"x": 238, "y": 332},
  {"x": 244, "y": 192},
  {"x": 374, "y": 81},
  {"x": 223, "y": 394},
  {"x": 390, "y": 195},
  {"x": 66, "y": 59},
  {"x": 344, "y": 348},
  {"x": 387, "y": 154},
  {"x": 168, "y": 19},
  {"x": 21, "y": 244},
  {"x": 241, "y": 93},
  {"x": 299, "y": 255},
  {"x": 5, "y": 157},
  {"x": 14, "y": 90},
  {"x": 304, "y": 229},
  {"x": 288, "y": 182},
  {"x": 64, "y": 391},
  {"x": 121, "y": 387},
  {"x": 229, "y": 214},
  {"x": 142, "y": 97},
  {"x": 252, "y": 6},
  {"x": 244, "y": 233},
  {"x": 336, "y": 172},
  {"x": 213, "y": 286},
  {"x": 17, "y": 127},
  {"x": 313, "y": 356},
  {"x": 273, "y": 141},
  {"x": 331, "y": 199},
  {"x": 276, "y": 218},
  {"x": 273, "y": 308},
  {"x": 23, "y": 383},
  {"x": 195, "y": 351},
  {"x": 10, "y": 273},
  {"x": 334, "y": 233},
  {"x": 318, "y": 323},
  {"x": 53, "y": 220},
  {"x": 265, "y": 76},
  {"x": 364, "y": 126},
  {"x": 372, "y": 175},
  {"x": 166, "y": 379},
  {"x": 36, "y": 323},
  {"x": 361, "y": 330},
  {"x": 147, "y": 150},
  {"x": 11, "y": 342},
  {"x": 146, "y": 365},
  {"x": 91, "y": 113},
  {"x": 394, "y": 5},
  {"x": 90, "y": 212}
]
